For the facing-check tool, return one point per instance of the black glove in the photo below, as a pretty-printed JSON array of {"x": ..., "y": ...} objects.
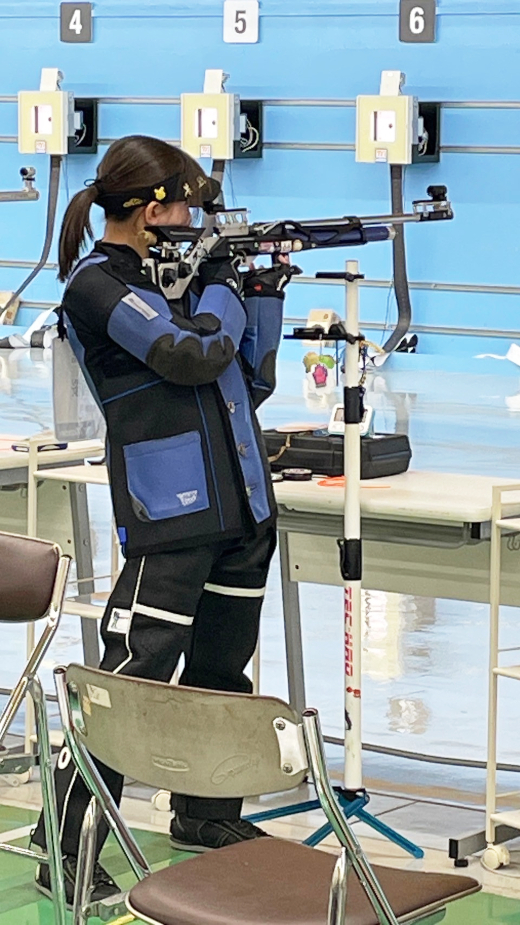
[
  {"x": 269, "y": 281},
  {"x": 224, "y": 272}
]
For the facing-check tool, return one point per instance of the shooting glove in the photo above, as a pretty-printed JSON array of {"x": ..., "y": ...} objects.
[
  {"x": 223, "y": 272},
  {"x": 269, "y": 281}
]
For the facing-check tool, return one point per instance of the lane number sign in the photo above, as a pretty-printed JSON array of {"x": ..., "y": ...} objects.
[
  {"x": 76, "y": 22},
  {"x": 241, "y": 21},
  {"x": 417, "y": 20}
]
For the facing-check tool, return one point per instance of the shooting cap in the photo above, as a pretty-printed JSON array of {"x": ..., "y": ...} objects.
[{"x": 190, "y": 185}]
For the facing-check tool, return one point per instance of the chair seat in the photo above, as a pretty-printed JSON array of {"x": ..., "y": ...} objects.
[{"x": 269, "y": 881}]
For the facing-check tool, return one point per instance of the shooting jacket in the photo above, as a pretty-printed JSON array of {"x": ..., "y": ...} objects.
[{"x": 178, "y": 384}]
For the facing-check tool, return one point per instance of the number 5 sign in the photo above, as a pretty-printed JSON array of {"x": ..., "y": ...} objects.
[
  {"x": 417, "y": 21},
  {"x": 241, "y": 21},
  {"x": 76, "y": 22}
]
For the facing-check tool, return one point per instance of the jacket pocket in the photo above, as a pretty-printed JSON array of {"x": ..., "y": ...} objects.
[{"x": 167, "y": 478}]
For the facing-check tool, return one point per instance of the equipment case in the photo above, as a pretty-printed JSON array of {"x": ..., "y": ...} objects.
[{"x": 382, "y": 455}]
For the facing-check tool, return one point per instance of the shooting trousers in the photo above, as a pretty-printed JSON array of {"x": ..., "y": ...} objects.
[{"x": 204, "y": 603}]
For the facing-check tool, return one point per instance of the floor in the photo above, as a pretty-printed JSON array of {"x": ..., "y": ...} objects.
[
  {"x": 20, "y": 904},
  {"x": 424, "y": 660}
]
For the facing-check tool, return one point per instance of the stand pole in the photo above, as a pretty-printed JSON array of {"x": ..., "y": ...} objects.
[{"x": 351, "y": 546}]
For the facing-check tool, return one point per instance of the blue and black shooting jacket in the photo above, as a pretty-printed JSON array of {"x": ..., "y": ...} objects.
[{"x": 178, "y": 383}]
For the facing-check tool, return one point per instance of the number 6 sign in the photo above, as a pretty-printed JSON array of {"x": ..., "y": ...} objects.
[
  {"x": 417, "y": 21},
  {"x": 241, "y": 21}
]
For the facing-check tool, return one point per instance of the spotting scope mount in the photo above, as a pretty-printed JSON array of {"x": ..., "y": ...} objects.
[{"x": 28, "y": 193}]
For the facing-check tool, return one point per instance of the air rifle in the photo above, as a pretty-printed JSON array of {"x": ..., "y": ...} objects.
[{"x": 179, "y": 251}]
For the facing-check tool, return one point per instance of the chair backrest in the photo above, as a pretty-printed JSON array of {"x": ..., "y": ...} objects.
[
  {"x": 28, "y": 570},
  {"x": 191, "y": 741}
]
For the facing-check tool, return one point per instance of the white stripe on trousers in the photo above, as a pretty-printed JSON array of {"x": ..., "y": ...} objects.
[
  {"x": 163, "y": 615},
  {"x": 66, "y": 802},
  {"x": 235, "y": 592},
  {"x": 129, "y": 627}
]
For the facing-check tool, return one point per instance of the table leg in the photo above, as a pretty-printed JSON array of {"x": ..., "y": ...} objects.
[
  {"x": 293, "y": 629},
  {"x": 84, "y": 569}
]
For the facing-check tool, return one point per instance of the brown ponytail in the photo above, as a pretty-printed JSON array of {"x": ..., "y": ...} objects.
[
  {"x": 132, "y": 162},
  {"x": 75, "y": 229}
]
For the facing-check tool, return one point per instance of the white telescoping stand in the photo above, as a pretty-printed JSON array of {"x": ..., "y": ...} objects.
[
  {"x": 352, "y": 796},
  {"x": 351, "y": 544}
]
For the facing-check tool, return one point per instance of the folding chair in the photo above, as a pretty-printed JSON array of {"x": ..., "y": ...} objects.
[
  {"x": 211, "y": 744},
  {"x": 33, "y": 578}
]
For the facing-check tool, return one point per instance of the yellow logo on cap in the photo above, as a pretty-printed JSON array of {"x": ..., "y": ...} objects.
[
  {"x": 133, "y": 202},
  {"x": 160, "y": 193},
  {"x": 201, "y": 181},
  {"x": 187, "y": 190}
]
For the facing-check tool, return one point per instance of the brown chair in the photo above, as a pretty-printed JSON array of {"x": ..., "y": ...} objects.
[
  {"x": 212, "y": 744},
  {"x": 33, "y": 578}
]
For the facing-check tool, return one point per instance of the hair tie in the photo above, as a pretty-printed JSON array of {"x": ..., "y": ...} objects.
[
  {"x": 98, "y": 183},
  {"x": 96, "y": 186}
]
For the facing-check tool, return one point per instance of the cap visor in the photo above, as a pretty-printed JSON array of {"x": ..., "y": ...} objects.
[{"x": 206, "y": 195}]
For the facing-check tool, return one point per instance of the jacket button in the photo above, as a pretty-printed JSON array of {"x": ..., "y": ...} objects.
[
  {"x": 249, "y": 491},
  {"x": 242, "y": 449},
  {"x": 231, "y": 407}
]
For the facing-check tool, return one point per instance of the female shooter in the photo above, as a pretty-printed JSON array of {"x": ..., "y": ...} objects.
[{"x": 178, "y": 383}]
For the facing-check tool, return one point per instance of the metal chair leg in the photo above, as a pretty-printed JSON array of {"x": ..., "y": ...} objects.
[
  {"x": 86, "y": 862},
  {"x": 50, "y": 810},
  {"x": 22, "y": 686},
  {"x": 13, "y": 705},
  {"x": 334, "y": 814},
  {"x": 338, "y": 891}
]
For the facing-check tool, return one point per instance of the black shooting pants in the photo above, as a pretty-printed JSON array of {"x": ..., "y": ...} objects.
[{"x": 204, "y": 602}]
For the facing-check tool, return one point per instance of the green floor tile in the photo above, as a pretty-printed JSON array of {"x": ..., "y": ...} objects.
[
  {"x": 484, "y": 909},
  {"x": 11, "y": 817}
]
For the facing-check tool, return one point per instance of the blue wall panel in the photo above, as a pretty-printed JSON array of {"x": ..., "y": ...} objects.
[{"x": 333, "y": 50}]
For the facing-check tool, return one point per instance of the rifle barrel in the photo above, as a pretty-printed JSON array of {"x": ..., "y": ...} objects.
[{"x": 398, "y": 219}]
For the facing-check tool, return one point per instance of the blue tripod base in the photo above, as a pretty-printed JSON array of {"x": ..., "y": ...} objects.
[{"x": 353, "y": 805}]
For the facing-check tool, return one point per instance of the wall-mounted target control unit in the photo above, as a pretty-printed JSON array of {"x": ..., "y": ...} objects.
[
  {"x": 387, "y": 125},
  {"x": 210, "y": 121},
  {"x": 46, "y": 116}
]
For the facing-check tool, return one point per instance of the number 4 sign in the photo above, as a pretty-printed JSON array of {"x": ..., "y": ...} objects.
[
  {"x": 241, "y": 21},
  {"x": 417, "y": 20},
  {"x": 76, "y": 22}
]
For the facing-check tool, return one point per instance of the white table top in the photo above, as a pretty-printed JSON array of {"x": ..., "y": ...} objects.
[
  {"x": 16, "y": 459},
  {"x": 89, "y": 475},
  {"x": 428, "y": 497}
]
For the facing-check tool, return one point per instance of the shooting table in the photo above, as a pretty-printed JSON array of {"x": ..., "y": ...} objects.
[{"x": 424, "y": 533}]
